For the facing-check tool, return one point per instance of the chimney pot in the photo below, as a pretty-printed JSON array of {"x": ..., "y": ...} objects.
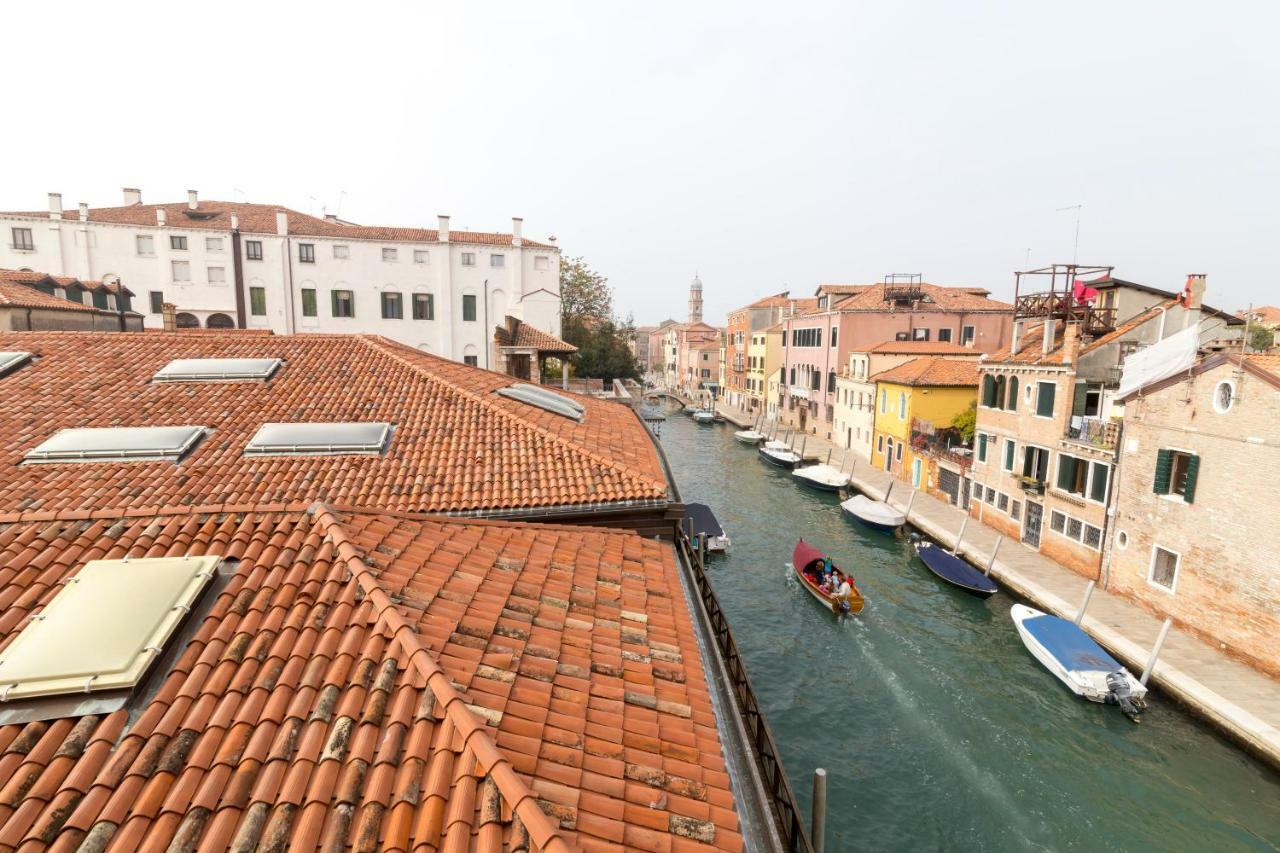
[
  {"x": 1194, "y": 291},
  {"x": 169, "y": 313},
  {"x": 160, "y": 216},
  {"x": 443, "y": 228},
  {"x": 282, "y": 223},
  {"x": 55, "y": 205},
  {"x": 235, "y": 222},
  {"x": 192, "y": 200},
  {"x": 517, "y": 229},
  {"x": 84, "y": 212},
  {"x": 132, "y": 195}
]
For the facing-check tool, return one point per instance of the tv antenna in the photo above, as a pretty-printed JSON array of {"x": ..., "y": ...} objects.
[{"x": 1075, "y": 248}]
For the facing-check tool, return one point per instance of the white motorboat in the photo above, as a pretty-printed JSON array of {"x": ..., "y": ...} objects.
[
  {"x": 824, "y": 478},
  {"x": 876, "y": 514},
  {"x": 777, "y": 453},
  {"x": 705, "y": 525},
  {"x": 704, "y": 416},
  {"x": 1078, "y": 661},
  {"x": 749, "y": 436}
]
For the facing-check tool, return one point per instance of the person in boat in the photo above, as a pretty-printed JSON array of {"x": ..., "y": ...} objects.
[{"x": 845, "y": 591}]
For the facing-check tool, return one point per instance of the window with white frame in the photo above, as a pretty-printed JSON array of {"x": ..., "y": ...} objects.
[
  {"x": 1164, "y": 567},
  {"x": 1076, "y": 529},
  {"x": 1010, "y": 447},
  {"x": 145, "y": 243},
  {"x": 902, "y": 405},
  {"x": 966, "y": 335},
  {"x": 341, "y": 253},
  {"x": 468, "y": 259},
  {"x": 23, "y": 239},
  {"x": 390, "y": 254},
  {"x": 177, "y": 242},
  {"x": 421, "y": 256},
  {"x": 213, "y": 244},
  {"x": 1082, "y": 477},
  {"x": 496, "y": 260},
  {"x": 217, "y": 275},
  {"x": 944, "y": 336},
  {"x": 181, "y": 270}
]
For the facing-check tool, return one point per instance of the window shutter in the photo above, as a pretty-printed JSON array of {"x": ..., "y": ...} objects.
[
  {"x": 1044, "y": 399},
  {"x": 1077, "y": 403},
  {"x": 1066, "y": 472},
  {"x": 1193, "y": 468},
  {"x": 1164, "y": 471},
  {"x": 1013, "y": 394},
  {"x": 982, "y": 447}
]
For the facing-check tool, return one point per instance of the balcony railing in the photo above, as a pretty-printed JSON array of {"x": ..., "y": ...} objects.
[
  {"x": 1094, "y": 432},
  {"x": 944, "y": 443},
  {"x": 1031, "y": 486}
]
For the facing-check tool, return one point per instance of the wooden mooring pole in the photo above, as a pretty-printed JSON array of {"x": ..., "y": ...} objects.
[
  {"x": 991, "y": 564},
  {"x": 1088, "y": 593},
  {"x": 1155, "y": 651},
  {"x": 964, "y": 522},
  {"x": 818, "y": 828}
]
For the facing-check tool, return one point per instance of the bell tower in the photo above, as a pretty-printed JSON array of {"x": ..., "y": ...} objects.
[{"x": 695, "y": 300}]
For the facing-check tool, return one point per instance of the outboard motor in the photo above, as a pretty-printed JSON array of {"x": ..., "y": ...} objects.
[{"x": 1121, "y": 695}]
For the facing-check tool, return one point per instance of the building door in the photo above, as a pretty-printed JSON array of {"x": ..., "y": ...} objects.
[
  {"x": 915, "y": 472},
  {"x": 1031, "y": 528},
  {"x": 888, "y": 455},
  {"x": 804, "y": 415}
]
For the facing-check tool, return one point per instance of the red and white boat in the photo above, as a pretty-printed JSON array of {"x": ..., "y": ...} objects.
[{"x": 806, "y": 558}]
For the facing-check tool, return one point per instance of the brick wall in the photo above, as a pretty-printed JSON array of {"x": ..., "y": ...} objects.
[{"x": 1227, "y": 588}]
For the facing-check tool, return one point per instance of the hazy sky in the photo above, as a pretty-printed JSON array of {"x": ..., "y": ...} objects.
[{"x": 765, "y": 146}]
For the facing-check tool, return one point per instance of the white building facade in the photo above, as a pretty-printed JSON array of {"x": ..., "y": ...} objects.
[{"x": 240, "y": 265}]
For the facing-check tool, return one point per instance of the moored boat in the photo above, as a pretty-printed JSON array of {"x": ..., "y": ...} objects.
[
  {"x": 807, "y": 562},
  {"x": 954, "y": 570},
  {"x": 1067, "y": 651},
  {"x": 877, "y": 515},
  {"x": 749, "y": 436},
  {"x": 824, "y": 478},
  {"x": 706, "y": 525},
  {"x": 783, "y": 457},
  {"x": 704, "y": 416},
  {"x": 690, "y": 409}
]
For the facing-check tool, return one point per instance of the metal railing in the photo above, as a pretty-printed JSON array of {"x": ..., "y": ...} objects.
[{"x": 782, "y": 799}]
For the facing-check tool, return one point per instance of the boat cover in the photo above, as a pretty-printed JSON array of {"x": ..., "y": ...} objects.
[
  {"x": 1069, "y": 644},
  {"x": 877, "y": 512},
  {"x": 823, "y": 474},
  {"x": 704, "y": 520},
  {"x": 956, "y": 570},
  {"x": 804, "y": 554}
]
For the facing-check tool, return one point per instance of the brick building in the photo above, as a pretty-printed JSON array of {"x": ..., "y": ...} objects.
[
  {"x": 743, "y": 372},
  {"x": 1196, "y": 512}
]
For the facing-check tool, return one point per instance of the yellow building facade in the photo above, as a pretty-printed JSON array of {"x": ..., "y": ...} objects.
[{"x": 915, "y": 404}]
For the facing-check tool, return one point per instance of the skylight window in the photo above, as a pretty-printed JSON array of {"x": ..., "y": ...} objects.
[
  {"x": 12, "y": 361},
  {"x": 217, "y": 370},
  {"x": 118, "y": 444},
  {"x": 104, "y": 627},
  {"x": 549, "y": 401},
  {"x": 318, "y": 439}
]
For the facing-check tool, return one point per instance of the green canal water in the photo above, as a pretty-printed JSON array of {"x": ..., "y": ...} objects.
[{"x": 937, "y": 729}]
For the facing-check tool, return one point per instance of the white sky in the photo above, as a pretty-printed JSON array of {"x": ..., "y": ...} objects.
[{"x": 764, "y": 146}]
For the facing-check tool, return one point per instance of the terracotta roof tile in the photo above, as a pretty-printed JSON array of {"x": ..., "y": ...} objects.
[
  {"x": 939, "y": 298},
  {"x": 456, "y": 445},
  {"x": 931, "y": 371},
  {"x": 530, "y": 336},
  {"x": 923, "y": 348},
  {"x": 261, "y": 219}
]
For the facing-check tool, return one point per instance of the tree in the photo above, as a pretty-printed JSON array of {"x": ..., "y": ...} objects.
[
  {"x": 1261, "y": 338},
  {"x": 966, "y": 422},
  {"x": 583, "y": 293}
]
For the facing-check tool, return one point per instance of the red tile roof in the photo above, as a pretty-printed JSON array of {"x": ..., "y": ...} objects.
[
  {"x": 1268, "y": 314},
  {"x": 939, "y": 298},
  {"x": 1031, "y": 341},
  {"x": 456, "y": 445},
  {"x": 923, "y": 348},
  {"x": 261, "y": 219},
  {"x": 23, "y": 296},
  {"x": 373, "y": 681},
  {"x": 931, "y": 371},
  {"x": 531, "y": 337}
]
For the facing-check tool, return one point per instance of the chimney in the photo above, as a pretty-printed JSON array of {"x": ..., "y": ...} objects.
[
  {"x": 1017, "y": 338},
  {"x": 169, "y": 313},
  {"x": 443, "y": 235},
  {"x": 84, "y": 212},
  {"x": 1193, "y": 294},
  {"x": 1071, "y": 343},
  {"x": 235, "y": 222},
  {"x": 517, "y": 226},
  {"x": 331, "y": 217},
  {"x": 1048, "y": 334},
  {"x": 55, "y": 205},
  {"x": 132, "y": 195},
  {"x": 191, "y": 200},
  {"x": 282, "y": 223},
  {"x": 160, "y": 216}
]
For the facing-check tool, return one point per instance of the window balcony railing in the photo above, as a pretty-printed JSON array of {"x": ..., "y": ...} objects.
[
  {"x": 1031, "y": 485},
  {"x": 1093, "y": 431},
  {"x": 944, "y": 443}
]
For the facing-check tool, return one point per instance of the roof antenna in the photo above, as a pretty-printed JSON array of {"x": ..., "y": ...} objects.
[
  {"x": 341, "y": 193},
  {"x": 1075, "y": 248}
]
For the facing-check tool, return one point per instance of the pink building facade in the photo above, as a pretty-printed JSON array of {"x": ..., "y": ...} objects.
[{"x": 852, "y": 318}]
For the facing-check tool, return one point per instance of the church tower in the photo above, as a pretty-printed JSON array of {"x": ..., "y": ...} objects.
[{"x": 695, "y": 300}]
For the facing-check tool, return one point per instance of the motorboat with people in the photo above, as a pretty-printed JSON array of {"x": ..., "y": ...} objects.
[
  {"x": 953, "y": 569},
  {"x": 877, "y": 515},
  {"x": 777, "y": 453},
  {"x": 704, "y": 416},
  {"x": 749, "y": 436},
  {"x": 707, "y": 527},
  {"x": 834, "y": 589},
  {"x": 1066, "y": 650},
  {"x": 823, "y": 477}
]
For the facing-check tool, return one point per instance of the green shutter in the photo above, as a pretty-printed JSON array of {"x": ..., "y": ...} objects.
[
  {"x": 1098, "y": 485},
  {"x": 1013, "y": 394},
  {"x": 1164, "y": 471},
  {"x": 1193, "y": 468},
  {"x": 1044, "y": 399},
  {"x": 982, "y": 447},
  {"x": 1066, "y": 472},
  {"x": 1078, "y": 400},
  {"x": 1008, "y": 455}
]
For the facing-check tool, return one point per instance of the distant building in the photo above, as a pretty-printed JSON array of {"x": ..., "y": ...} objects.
[
  {"x": 1195, "y": 528},
  {"x": 37, "y": 301},
  {"x": 261, "y": 266},
  {"x": 740, "y": 388},
  {"x": 520, "y": 349}
]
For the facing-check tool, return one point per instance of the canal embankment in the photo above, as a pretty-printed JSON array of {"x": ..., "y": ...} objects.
[{"x": 1237, "y": 699}]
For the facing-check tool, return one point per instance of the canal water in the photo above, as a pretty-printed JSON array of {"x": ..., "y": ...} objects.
[{"x": 937, "y": 729}]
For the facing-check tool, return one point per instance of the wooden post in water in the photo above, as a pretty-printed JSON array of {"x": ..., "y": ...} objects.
[
  {"x": 1155, "y": 651},
  {"x": 818, "y": 827},
  {"x": 1088, "y": 593},
  {"x": 804, "y": 439},
  {"x": 991, "y": 564},
  {"x": 889, "y": 490},
  {"x": 829, "y": 452},
  {"x": 910, "y": 501},
  {"x": 959, "y": 536}
]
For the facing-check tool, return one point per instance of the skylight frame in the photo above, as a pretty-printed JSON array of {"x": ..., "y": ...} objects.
[
  {"x": 232, "y": 370},
  {"x": 548, "y": 401},
  {"x": 105, "y": 628},
  {"x": 269, "y": 440},
  {"x": 11, "y": 360},
  {"x": 59, "y": 448}
]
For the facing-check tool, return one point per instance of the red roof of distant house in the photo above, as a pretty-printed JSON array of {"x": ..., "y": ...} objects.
[
  {"x": 931, "y": 371},
  {"x": 923, "y": 348},
  {"x": 261, "y": 219},
  {"x": 531, "y": 337},
  {"x": 18, "y": 290},
  {"x": 936, "y": 298}
]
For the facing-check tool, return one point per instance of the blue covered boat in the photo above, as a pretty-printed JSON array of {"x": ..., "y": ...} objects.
[
  {"x": 1078, "y": 662},
  {"x": 954, "y": 570}
]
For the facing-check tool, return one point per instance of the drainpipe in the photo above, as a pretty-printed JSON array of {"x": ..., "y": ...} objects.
[
  {"x": 1108, "y": 523},
  {"x": 1160, "y": 333},
  {"x": 282, "y": 229},
  {"x": 485, "y": 290},
  {"x": 237, "y": 271}
]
